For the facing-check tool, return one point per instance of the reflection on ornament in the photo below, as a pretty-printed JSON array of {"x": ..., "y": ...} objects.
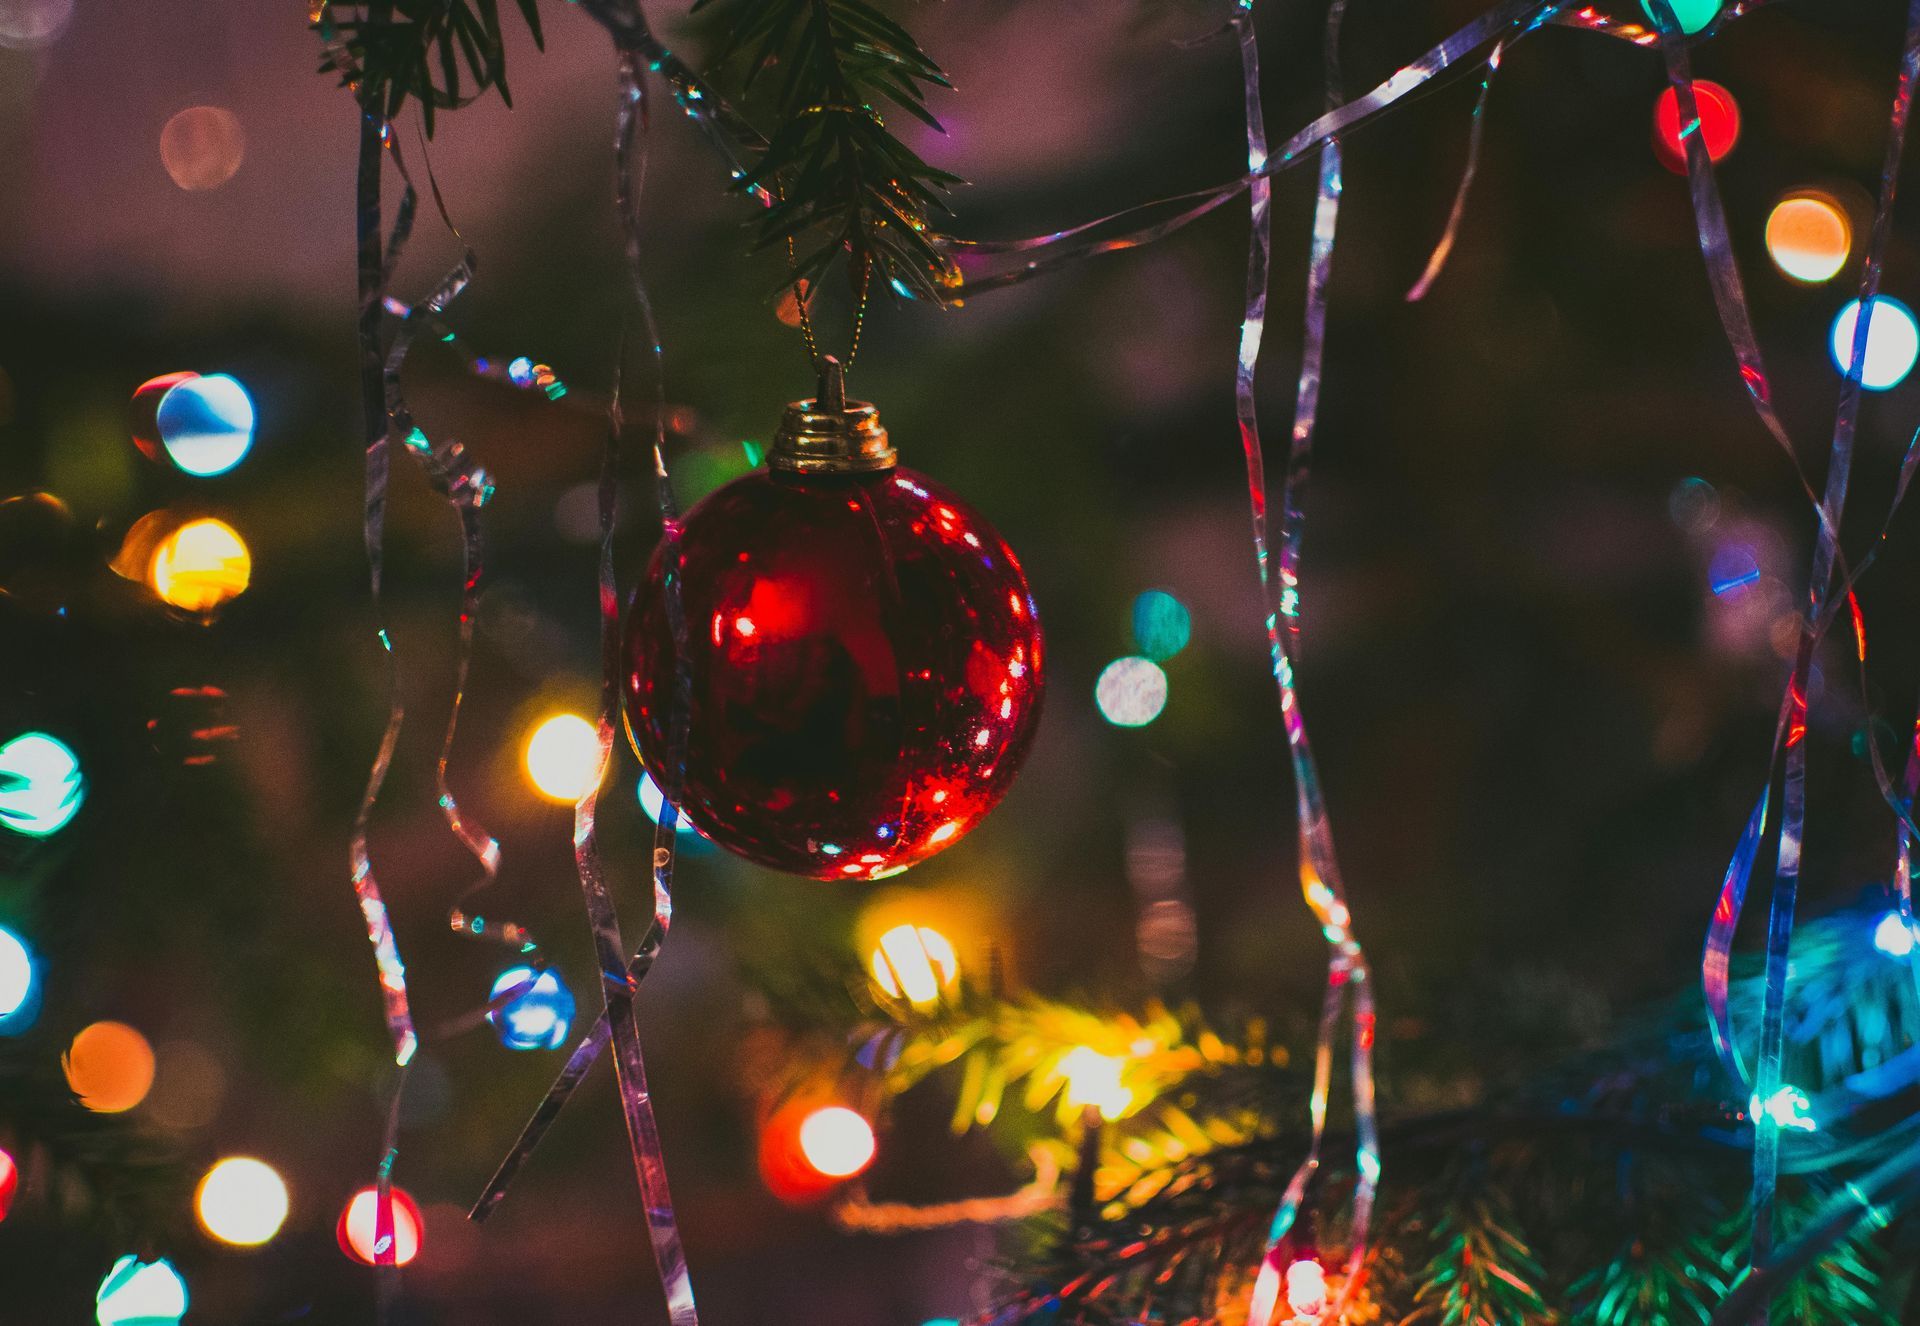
[
  {"x": 137, "y": 1293},
  {"x": 202, "y": 147},
  {"x": 41, "y": 786},
  {"x": 355, "y": 1230},
  {"x": 1719, "y": 124},
  {"x": 1692, "y": 15},
  {"x": 1094, "y": 1079},
  {"x": 836, "y": 1141},
  {"x": 1809, "y": 237},
  {"x": 538, "y": 1017},
  {"x": 9, "y": 1181},
  {"x": 242, "y": 1201},
  {"x": 19, "y": 984},
  {"x": 654, "y": 804},
  {"x": 563, "y": 757},
  {"x": 1161, "y": 625},
  {"x": 109, "y": 1066},
  {"x": 1894, "y": 937},
  {"x": 865, "y": 664},
  {"x": 914, "y": 963},
  {"x": 200, "y": 566},
  {"x": 1893, "y": 342},
  {"x": 203, "y": 425},
  {"x": 1131, "y": 692}
]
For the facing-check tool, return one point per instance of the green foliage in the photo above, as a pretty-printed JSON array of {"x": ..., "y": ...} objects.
[
  {"x": 390, "y": 51},
  {"x": 842, "y": 181},
  {"x": 1844, "y": 1285},
  {"x": 1480, "y": 1272}
]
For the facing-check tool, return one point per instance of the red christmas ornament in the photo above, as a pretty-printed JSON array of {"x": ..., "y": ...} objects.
[{"x": 863, "y": 657}]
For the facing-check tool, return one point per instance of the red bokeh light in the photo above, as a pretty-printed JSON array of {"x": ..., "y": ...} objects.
[{"x": 1719, "y": 124}]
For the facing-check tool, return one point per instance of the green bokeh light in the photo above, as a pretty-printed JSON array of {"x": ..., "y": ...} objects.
[{"x": 1693, "y": 15}]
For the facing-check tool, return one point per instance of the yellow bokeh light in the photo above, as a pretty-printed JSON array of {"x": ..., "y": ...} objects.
[
  {"x": 242, "y": 1201},
  {"x": 201, "y": 565},
  {"x": 563, "y": 757},
  {"x": 914, "y": 963},
  {"x": 836, "y": 1141},
  {"x": 110, "y": 1067},
  {"x": 1093, "y": 1079},
  {"x": 1809, "y": 237}
]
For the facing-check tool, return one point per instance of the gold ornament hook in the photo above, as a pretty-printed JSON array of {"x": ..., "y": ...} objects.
[{"x": 830, "y": 434}]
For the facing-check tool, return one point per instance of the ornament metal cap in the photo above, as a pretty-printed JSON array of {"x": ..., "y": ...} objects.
[{"x": 830, "y": 434}]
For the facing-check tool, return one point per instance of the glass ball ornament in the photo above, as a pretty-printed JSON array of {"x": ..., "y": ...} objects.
[
  {"x": 863, "y": 657},
  {"x": 539, "y": 1016}
]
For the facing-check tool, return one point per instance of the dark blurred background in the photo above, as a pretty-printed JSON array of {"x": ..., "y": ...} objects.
[{"x": 1540, "y": 727}]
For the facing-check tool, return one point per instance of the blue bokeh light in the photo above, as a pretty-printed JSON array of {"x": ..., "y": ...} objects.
[
  {"x": 206, "y": 424},
  {"x": 19, "y": 984},
  {"x": 537, "y": 1019},
  {"x": 1893, "y": 342}
]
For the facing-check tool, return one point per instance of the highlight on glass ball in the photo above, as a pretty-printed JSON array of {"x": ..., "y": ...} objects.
[
  {"x": 1692, "y": 15},
  {"x": 1893, "y": 342},
  {"x": 242, "y": 1202},
  {"x": 563, "y": 757},
  {"x": 1131, "y": 692},
  {"x": 1719, "y": 124},
  {"x": 109, "y": 1065},
  {"x": 864, "y": 654},
  {"x": 1809, "y": 236},
  {"x": 202, "y": 425},
  {"x": 202, "y": 147},
  {"x": 356, "y": 1230},
  {"x": 41, "y": 786},
  {"x": 19, "y": 984},
  {"x": 537, "y": 1018},
  {"x": 915, "y": 963},
  {"x": 201, "y": 566},
  {"x": 1162, "y": 626},
  {"x": 141, "y": 1293},
  {"x": 654, "y": 804}
]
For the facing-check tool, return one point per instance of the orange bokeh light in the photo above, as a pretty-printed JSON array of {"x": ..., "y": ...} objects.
[{"x": 110, "y": 1067}]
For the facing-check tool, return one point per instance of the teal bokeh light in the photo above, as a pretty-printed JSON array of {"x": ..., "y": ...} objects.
[
  {"x": 1162, "y": 626},
  {"x": 137, "y": 1293},
  {"x": 41, "y": 787},
  {"x": 1693, "y": 15},
  {"x": 206, "y": 424}
]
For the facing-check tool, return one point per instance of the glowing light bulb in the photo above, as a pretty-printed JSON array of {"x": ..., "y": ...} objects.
[
  {"x": 1307, "y": 1288},
  {"x": 1893, "y": 342},
  {"x": 357, "y": 1223},
  {"x": 19, "y": 983},
  {"x": 1809, "y": 237},
  {"x": 536, "y": 1019},
  {"x": 563, "y": 757},
  {"x": 110, "y": 1067},
  {"x": 1894, "y": 937},
  {"x": 242, "y": 1201},
  {"x": 1692, "y": 15},
  {"x": 9, "y": 1182},
  {"x": 1162, "y": 626},
  {"x": 1131, "y": 692},
  {"x": 1094, "y": 1079},
  {"x": 1719, "y": 124},
  {"x": 914, "y": 963},
  {"x": 200, "y": 566},
  {"x": 137, "y": 1293},
  {"x": 41, "y": 787},
  {"x": 837, "y": 1142},
  {"x": 1786, "y": 1108}
]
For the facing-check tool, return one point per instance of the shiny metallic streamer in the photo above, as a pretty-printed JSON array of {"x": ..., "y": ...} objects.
[
  {"x": 1347, "y": 972},
  {"x": 1790, "y": 730},
  {"x": 1444, "y": 248}
]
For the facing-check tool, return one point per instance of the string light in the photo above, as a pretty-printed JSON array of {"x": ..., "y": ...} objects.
[
  {"x": 538, "y": 1018},
  {"x": 357, "y": 1224},
  {"x": 1894, "y": 937},
  {"x": 1094, "y": 1079},
  {"x": 19, "y": 983},
  {"x": 563, "y": 757},
  {"x": 837, "y": 1142},
  {"x": 1162, "y": 626},
  {"x": 1307, "y": 1289},
  {"x": 1809, "y": 237},
  {"x": 1131, "y": 692},
  {"x": 242, "y": 1201},
  {"x": 1719, "y": 124},
  {"x": 137, "y": 1293},
  {"x": 9, "y": 1181},
  {"x": 109, "y": 1066},
  {"x": 1893, "y": 342},
  {"x": 41, "y": 786},
  {"x": 915, "y": 963},
  {"x": 1787, "y": 1108},
  {"x": 201, "y": 566}
]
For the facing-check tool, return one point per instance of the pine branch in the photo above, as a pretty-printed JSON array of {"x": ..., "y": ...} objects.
[
  {"x": 390, "y": 51},
  {"x": 1481, "y": 1272},
  {"x": 842, "y": 181}
]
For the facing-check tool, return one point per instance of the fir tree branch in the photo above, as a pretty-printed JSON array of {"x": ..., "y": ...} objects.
[{"x": 390, "y": 51}]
